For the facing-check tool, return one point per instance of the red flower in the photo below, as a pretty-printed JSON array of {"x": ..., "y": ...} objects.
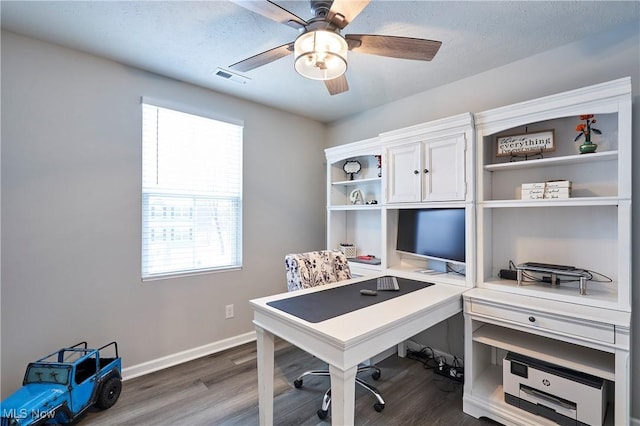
[{"x": 586, "y": 129}]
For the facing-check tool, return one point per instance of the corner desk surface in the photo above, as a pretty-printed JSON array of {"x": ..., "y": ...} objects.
[{"x": 346, "y": 340}]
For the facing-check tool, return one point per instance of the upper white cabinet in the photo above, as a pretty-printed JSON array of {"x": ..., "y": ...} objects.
[
  {"x": 404, "y": 173},
  {"x": 591, "y": 229},
  {"x": 427, "y": 171},
  {"x": 429, "y": 162},
  {"x": 429, "y": 166}
]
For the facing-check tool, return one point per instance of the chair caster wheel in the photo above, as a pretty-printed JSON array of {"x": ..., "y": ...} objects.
[
  {"x": 322, "y": 414},
  {"x": 378, "y": 407},
  {"x": 297, "y": 383},
  {"x": 375, "y": 375}
]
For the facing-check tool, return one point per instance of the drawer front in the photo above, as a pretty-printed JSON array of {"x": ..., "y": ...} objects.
[{"x": 544, "y": 321}]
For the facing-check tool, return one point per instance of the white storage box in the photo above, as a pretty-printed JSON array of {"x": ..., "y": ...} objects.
[
  {"x": 349, "y": 251},
  {"x": 547, "y": 190}
]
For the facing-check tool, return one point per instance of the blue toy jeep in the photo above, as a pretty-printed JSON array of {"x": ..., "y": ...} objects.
[{"x": 59, "y": 387}]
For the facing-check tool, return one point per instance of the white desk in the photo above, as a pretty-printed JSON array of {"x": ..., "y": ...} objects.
[{"x": 347, "y": 340}]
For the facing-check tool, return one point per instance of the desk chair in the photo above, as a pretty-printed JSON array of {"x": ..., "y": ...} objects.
[{"x": 316, "y": 268}]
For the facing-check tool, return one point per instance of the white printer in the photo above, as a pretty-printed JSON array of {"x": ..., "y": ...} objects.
[{"x": 565, "y": 396}]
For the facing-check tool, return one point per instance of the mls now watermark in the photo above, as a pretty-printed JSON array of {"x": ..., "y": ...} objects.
[{"x": 23, "y": 413}]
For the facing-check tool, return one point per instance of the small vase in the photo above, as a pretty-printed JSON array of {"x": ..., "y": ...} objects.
[{"x": 588, "y": 147}]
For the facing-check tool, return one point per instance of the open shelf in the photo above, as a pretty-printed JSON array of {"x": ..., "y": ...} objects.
[
  {"x": 340, "y": 184},
  {"x": 567, "y": 202},
  {"x": 575, "y": 357},
  {"x": 601, "y": 295},
  {"x": 357, "y": 181},
  {"x": 355, "y": 207},
  {"x": 489, "y": 392},
  {"x": 366, "y": 266},
  {"x": 412, "y": 272},
  {"x": 554, "y": 161}
]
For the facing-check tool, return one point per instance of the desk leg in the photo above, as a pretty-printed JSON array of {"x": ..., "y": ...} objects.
[
  {"x": 343, "y": 395},
  {"x": 402, "y": 349},
  {"x": 265, "y": 375}
]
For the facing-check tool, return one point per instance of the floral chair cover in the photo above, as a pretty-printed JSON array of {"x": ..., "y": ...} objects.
[{"x": 311, "y": 269}]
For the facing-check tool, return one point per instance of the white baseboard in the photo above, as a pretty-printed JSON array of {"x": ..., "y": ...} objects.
[{"x": 184, "y": 356}]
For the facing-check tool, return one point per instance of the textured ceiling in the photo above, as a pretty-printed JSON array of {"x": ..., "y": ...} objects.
[{"x": 189, "y": 40}]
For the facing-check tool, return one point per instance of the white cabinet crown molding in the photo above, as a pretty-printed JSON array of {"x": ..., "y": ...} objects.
[
  {"x": 354, "y": 149},
  {"x": 446, "y": 126},
  {"x": 605, "y": 97}
]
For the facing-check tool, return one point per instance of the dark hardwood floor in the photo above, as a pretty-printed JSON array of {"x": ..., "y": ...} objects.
[{"x": 222, "y": 389}]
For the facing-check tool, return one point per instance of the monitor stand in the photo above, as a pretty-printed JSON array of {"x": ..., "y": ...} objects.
[{"x": 581, "y": 274}]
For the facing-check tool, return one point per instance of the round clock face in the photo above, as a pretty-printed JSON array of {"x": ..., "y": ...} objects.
[{"x": 351, "y": 166}]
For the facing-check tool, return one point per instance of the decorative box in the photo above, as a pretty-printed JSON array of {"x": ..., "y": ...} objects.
[
  {"x": 349, "y": 250},
  {"x": 547, "y": 190}
]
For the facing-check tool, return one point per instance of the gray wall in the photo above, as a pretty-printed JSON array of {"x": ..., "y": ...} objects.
[
  {"x": 71, "y": 221},
  {"x": 606, "y": 57}
]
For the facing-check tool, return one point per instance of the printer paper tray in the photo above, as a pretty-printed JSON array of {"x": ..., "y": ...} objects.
[{"x": 542, "y": 410}]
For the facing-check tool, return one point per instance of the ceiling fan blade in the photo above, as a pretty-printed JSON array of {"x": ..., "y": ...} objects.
[
  {"x": 344, "y": 11},
  {"x": 337, "y": 85},
  {"x": 263, "y": 58},
  {"x": 270, "y": 10},
  {"x": 393, "y": 47}
]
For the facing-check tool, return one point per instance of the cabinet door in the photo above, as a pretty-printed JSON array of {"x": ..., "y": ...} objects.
[
  {"x": 403, "y": 174},
  {"x": 443, "y": 169}
]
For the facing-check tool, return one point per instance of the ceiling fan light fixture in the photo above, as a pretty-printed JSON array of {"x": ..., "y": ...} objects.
[{"x": 320, "y": 54}]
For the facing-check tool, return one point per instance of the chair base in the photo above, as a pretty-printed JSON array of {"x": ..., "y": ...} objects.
[{"x": 326, "y": 400}]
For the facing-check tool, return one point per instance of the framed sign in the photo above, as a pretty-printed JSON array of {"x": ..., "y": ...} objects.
[{"x": 529, "y": 143}]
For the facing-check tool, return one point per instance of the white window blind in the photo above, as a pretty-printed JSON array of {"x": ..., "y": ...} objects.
[{"x": 191, "y": 193}]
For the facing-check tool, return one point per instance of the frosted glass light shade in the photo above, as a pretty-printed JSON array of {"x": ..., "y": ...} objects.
[{"x": 320, "y": 55}]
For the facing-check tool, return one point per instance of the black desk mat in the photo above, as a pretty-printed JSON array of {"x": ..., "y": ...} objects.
[{"x": 333, "y": 302}]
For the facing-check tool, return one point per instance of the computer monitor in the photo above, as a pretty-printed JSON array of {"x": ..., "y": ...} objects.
[{"x": 437, "y": 233}]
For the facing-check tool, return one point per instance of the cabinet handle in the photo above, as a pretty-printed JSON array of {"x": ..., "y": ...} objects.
[
  {"x": 426, "y": 171},
  {"x": 532, "y": 319},
  {"x": 415, "y": 172}
]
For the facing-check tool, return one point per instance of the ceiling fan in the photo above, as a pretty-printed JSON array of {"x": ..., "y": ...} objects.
[{"x": 320, "y": 50}]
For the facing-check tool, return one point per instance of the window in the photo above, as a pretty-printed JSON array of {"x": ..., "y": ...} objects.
[{"x": 191, "y": 193}]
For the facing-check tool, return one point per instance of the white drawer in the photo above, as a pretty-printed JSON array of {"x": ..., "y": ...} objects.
[{"x": 544, "y": 321}]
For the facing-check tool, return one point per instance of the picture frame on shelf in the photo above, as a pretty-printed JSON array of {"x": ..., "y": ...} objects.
[{"x": 525, "y": 144}]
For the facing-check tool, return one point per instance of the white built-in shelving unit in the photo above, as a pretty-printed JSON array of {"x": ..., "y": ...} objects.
[
  {"x": 452, "y": 163},
  {"x": 430, "y": 165},
  {"x": 591, "y": 230},
  {"x": 357, "y": 224}
]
